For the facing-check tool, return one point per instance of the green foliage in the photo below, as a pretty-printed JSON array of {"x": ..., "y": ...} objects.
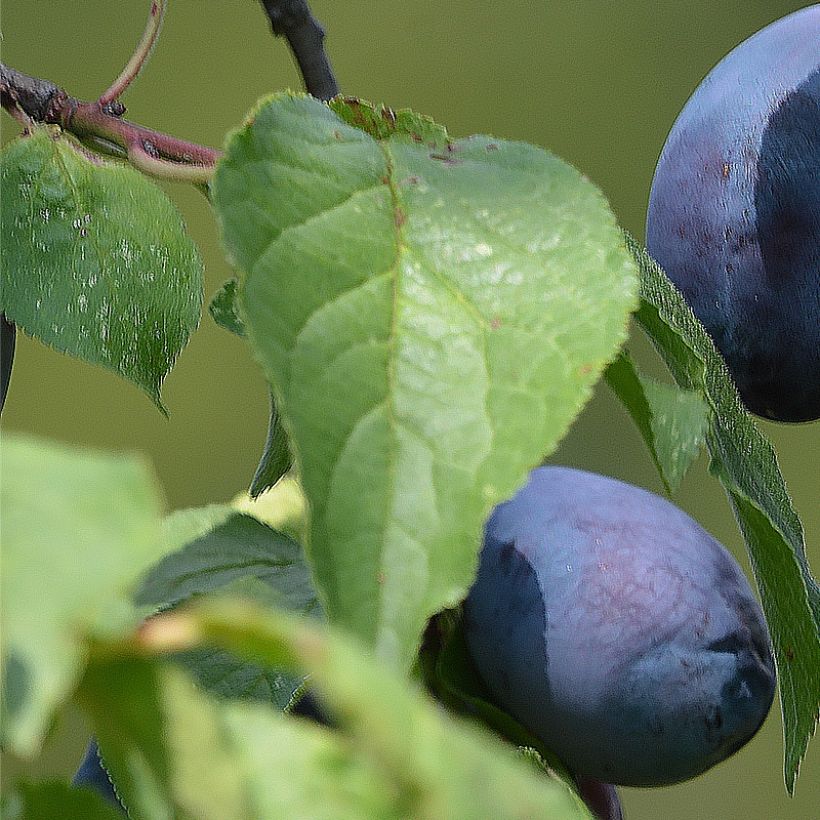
[
  {"x": 78, "y": 528},
  {"x": 96, "y": 261},
  {"x": 276, "y": 459},
  {"x": 671, "y": 421},
  {"x": 393, "y": 754},
  {"x": 746, "y": 465},
  {"x": 41, "y": 800},
  {"x": 220, "y": 547},
  {"x": 432, "y": 314},
  {"x": 228, "y": 551},
  {"x": 224, "y": 309}
]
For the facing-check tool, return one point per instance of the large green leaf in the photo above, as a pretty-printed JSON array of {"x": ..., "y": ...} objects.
[
  {"x": 78, "y": 528},
  {"x": 96, "y": 261},
  {"x": 671, "y": 421},
  {"x": 394, "y": 753},
  {"x": 745, "y": 463},
  {"x": 432, "y": 314}
]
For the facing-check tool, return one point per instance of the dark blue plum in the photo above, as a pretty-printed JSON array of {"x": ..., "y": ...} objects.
[
  {"x": 617, "y": 630},
  {"x": 734, "y": 214},
  {"x": 92, "y": 774}
]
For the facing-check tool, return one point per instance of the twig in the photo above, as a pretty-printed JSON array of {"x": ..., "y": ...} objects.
[
  {"x": 7, "y": 336},
  {"x": 293, "y": 20},
  {"x": 45, "y": 102},
  {"x": 140, "y": 55}
]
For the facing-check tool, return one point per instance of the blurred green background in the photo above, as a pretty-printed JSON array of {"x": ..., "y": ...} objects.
[{"x": 599, "y": 83}]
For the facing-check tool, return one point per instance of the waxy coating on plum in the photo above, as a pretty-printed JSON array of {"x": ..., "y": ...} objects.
[
  {"x": 734, "y": 214},
  {"x": 617, "y": 630}
]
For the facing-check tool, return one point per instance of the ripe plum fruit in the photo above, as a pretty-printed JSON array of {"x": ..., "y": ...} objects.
[
  {"x": 617, "y": 630},
  {"x": 734, "y": 214}
]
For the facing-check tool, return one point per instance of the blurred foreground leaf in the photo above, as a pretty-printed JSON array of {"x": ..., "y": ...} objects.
[
  {"x": 174, "y": 753},
  {"x": 38, "y": 801},
  {"x": 78, "y": 529}
]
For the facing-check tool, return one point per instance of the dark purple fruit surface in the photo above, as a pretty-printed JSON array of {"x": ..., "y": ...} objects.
[
  {"x": 734, "y": 214},
  {"x": 617, "y": 630}
]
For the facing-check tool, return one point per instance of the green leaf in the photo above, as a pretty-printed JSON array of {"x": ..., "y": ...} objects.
[
  {"x": 181, "y": 755},
  {"x": 672, "y": 421},
  {"x": 745, "y": 463},
  {"x": 36, "y": 801},
  {"x": 224, "y": 550},
  {"x": 224, "y": 309},
  {"x": 78, "y": 528},
  {"x": 395, "y": 754},
  {"x": 276, "y": 459},
  {"x": 96, "y": 261},
  {"x": 432, "y": 315},
  {"x": 223, "y": 545}
]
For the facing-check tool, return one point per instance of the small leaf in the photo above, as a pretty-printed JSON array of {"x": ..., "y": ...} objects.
[
  {"x": 276, "y": 459},
  {"x": 224, "y": 309},
  {"x": 78, "y": 529},
  {"x": 671, "y": 421},
  {"x": 432, "y": 315},
  {"x": 745, "y": 463},
  {"x": 96, "y": 261},
  {"x": 283, "y": 507}
]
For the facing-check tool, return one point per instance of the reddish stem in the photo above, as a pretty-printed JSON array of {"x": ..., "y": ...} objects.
[{"x": 44, "y": 102}]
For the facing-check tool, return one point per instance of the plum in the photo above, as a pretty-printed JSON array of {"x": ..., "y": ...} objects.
[
  {"x": 93, "y": 774},
  {"x": 617, "y": 630},
  {"x": 734, "y": 214}
]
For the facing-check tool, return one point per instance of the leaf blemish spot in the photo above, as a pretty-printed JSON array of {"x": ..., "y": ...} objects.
[{"x": 444, "y": 159}]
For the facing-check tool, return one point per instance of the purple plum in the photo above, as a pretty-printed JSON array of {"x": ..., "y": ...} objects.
[
  {"x": 734, "y": 214},
  {"x": 617, "y": 630}
]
